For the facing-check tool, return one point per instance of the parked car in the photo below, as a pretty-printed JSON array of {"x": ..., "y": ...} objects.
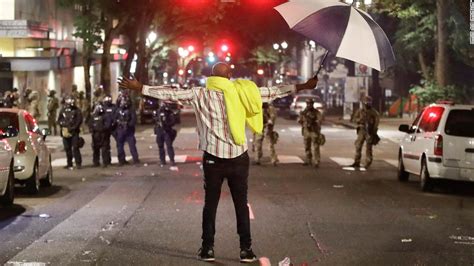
[
  {"x": 439, "y": 144},
  {"x": 299, "y": 104},
  {"x": 32, "y": 159},
  {"x": 7, "y": 194}
]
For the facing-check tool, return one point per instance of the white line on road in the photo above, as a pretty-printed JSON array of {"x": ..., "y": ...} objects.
[
  {"x": 284, "y": 159},
  {"x": 63, "y": 161},
  {"x": 392, "y": 162},
  {"x": 252, "y": 217},
  {"x": 342, "y": 161}
]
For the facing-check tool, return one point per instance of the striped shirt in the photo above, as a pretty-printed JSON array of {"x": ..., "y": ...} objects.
[{"x": 213, "y": 128}]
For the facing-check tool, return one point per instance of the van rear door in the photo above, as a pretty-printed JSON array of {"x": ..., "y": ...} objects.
[{"x": 458, "y": 150}]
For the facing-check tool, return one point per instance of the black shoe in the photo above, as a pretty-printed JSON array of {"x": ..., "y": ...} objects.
[
  {"x": 67, "y": 166},
  {"x": 96, "y": 165},
  {"x": 123, "y": 163},
  {"x": 247, "y": 256},
  {"x": 78, "y": 166},
  {"x": 206, "y": 254},
  {"x": 355, "y": 165}
]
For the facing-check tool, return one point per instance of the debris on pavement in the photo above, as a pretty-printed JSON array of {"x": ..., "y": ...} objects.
[
  {"x": 338, "y": 186},
  {"x": 153, "y": 174},
  {"x": 462, "y": 240},
  {"x": 174, "y": 168},
  {"x": 44, "y": 215},
  {"x": 83, "y": 179},
  {"x": 150, "y": 147},
  {"x": 145, "y": 164},
  {"x": 264, "y": 261},
  {"x": 407, "y": 240}
]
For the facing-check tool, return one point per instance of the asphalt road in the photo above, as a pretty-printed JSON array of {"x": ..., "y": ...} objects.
[{"x": 147, "y": 215}]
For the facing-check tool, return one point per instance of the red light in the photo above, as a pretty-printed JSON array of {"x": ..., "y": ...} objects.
[
  {"x": 438, "y": 145},
  {"x": 191, "y": 48},
  {"x": 433, "y": 115},
  {"x": 224, "y": 48},
  {"x": 260, "y": 72},
  {"x": 181, "y": 72}
]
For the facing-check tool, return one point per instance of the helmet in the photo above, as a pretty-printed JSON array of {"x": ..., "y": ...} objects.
[
  {"x": 367, "y": 100},
  {"x": 107, "y": 100},
  {"x": 310, "y": 102},
  {"x": 125, "y": 101},
  {"x": 52, "y": 93},
  {"x": 69, "y": 101},
  {"x": 98, "y": 109}
]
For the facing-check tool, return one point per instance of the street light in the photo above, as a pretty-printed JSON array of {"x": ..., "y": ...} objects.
[
  {"x": 284, "y": 45},
  {"x": 276, "y": 46}
]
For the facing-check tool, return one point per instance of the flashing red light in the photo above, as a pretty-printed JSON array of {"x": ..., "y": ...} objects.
[
  {"x": 191, "y": 48},
  {"x": 224, "y": 48},
  {"x": 260, "y": 72}
]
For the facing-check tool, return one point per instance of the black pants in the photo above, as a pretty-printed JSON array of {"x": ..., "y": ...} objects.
[
  {"x": 162, "y": 138},
  {"x": 101, "y": 144},
  {"x": 236, "y": 171},
  {"x": 71, "y": 147}
]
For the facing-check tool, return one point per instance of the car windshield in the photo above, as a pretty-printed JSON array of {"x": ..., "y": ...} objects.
[
  {"x": 9, "y": 121},
  {"x": 460, "y": 123}
]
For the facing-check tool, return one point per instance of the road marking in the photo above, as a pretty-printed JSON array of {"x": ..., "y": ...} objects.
[
  {"x": 349, "y": 168},
  {"x": 252, "y": 217},
  {"x": 24, "y": 263},
  {"x": 187, "y": 130},
  {"x": 295, "y": 129},
  {"x": 342, "y": 161},
  {"x": 392, "y": 162},
  {"x": 63, "y": 161},
  {"x": 285, "y": 159}
]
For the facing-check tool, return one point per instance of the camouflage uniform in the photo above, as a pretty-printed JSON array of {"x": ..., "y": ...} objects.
[
  {"x": 33, "y": 107},
  {"x": 269, "y": 117},
  {"x": 367, "y": 120},
  {"x": 53, "y": 106},
  {"x": 310, "y": 120}
]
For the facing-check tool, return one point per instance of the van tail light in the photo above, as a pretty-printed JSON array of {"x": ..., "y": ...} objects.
[
  {"x": 20, "y": 147},
  {"x": 438, "y": 145}
]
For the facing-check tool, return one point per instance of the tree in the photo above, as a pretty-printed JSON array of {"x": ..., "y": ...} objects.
[{"x": 87, "y": 27}]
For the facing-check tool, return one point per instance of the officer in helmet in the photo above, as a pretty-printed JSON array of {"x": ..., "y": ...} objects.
[
  {"x": 126, "y": 119},
  {"x": 367, "y": 120},
  {"x": 70, "y": 120},
  {"x": 165, "y": 134},
  {"x": 310, "y": 120},
  {"x": 100, "y": 127}
]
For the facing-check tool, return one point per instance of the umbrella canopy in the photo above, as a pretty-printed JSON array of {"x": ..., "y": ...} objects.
[{"x": 342, "y": 29}]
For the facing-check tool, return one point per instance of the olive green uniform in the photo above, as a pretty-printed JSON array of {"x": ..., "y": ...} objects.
[
  {"x": 367, "y": 120},
  {"x": 310, "y": 120},
  {"x": 269, "y": 117},
  {"x": 53, "y": 106}
]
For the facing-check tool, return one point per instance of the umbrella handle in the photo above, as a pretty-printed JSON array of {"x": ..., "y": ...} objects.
[{"x": 321, "y": 64}]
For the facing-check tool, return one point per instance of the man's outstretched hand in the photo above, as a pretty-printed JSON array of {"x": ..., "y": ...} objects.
[
  {"x": 309, "y": 85},
  {"x": 130, "y": 84}
]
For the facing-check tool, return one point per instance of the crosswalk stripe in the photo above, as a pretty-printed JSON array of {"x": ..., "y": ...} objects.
[
  {"x": 63, "y": 161},
  {"x": 342, "y": 161},
  {"x": 284, "y": 159},
  {"x": 187, "y": 130}
]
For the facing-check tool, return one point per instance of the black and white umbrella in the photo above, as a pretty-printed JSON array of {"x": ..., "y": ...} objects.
[{"x": 345, "y": 31}]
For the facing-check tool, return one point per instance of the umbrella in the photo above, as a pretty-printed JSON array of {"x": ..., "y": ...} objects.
[{"x": 342, "y": 29}]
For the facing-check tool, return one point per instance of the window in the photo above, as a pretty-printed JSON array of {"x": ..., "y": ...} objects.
[
  {"x": 431, "y": 118},
  {"x": 460, "y": 123},
  {"x": 414, "y": 126},
  {"x": 9, "y": 121}
]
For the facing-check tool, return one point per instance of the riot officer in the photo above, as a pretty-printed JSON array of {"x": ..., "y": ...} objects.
[
  {"x": 110, "y": 111},
  {"x": 269, "y": 117},
  {"x": 70, "y": 120},
  {"x": 126, "y": 118},
  {"x": 53, "y": 106},
  {"x": 310, "y": 120},
  {"x": 165, "y": 134},
  {"x": 100, "y": 127},
  {"x": 367, "y": 120}
]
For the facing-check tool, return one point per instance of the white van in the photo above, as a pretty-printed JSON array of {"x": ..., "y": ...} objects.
[{"x": 439, "y": 144}]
